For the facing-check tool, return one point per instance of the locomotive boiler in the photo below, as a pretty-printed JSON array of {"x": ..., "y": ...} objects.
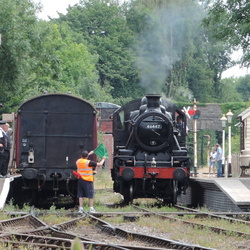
[
  {"x": 150, "y": 155},
  {"x": 51, "y": 132}
]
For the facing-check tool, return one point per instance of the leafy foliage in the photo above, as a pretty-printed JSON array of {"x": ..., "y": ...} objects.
[
  {"x": 17, "y": 23},
  {"x": 105, "y": 51},
  {"x": 231, "y": 22},
  {"x": 243, "y": 87},
  {"x": 231, "y": 94},
  {"x": 103, "y": 25}
]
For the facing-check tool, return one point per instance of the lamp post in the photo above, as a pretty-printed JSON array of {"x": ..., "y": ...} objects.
[
  {"x": 229, "y": 119},
  {"x": 223, "y": 123}
]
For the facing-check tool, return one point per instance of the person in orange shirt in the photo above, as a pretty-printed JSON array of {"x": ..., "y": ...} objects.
[{"x": 86, "y": 169}]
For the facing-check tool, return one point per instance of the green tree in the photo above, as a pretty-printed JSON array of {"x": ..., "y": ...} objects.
[
  {"x": 37, "y": 56},
  {"x": 17, "y": 25},
  {"x": 62, "y": 63},
  {"x": 229, "y": 91},
  {"x": 103, "y": 25},
  {"x": 243, "y": 87},
  {"x": 200, "y": 79},
  {"x": 230, "y": 21}
]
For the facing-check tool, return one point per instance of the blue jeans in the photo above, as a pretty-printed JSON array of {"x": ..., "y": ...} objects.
[{"x": 219, "y": 171}]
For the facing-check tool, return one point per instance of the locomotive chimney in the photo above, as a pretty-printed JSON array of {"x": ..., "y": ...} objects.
[{"x": 153, "y": 101}]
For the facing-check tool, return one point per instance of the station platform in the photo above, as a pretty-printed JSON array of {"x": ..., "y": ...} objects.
[
  {"x": 5, "y": 184},
  {"x": 218, "y": 194},
  {"x": 4, "y": 190}
]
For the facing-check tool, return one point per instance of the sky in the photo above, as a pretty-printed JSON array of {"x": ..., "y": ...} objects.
[
  {"x": 51, "y": 7},
  {"x": 236, "y": 71}
]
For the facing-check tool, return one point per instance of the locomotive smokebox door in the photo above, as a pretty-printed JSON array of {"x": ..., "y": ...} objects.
[{"x": 153, "y": 131}]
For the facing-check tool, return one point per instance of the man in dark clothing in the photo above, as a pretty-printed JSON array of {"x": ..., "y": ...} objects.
[
  {"x": 4, "y": 149},
  {"x": 7, "y": 148}
]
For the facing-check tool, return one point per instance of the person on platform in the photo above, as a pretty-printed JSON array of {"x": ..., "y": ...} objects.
[
  {"x": 5, "y": 145},
  {"x": 219, "y": 160},
  {"x": 86, "y": 169},
  {"x": 212, "y": 161}
]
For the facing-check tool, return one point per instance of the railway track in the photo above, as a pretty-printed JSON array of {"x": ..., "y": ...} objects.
[
  {"x": 104, "y": 231},
  {"x": 29, "y": 231},
  {"x": 218, "y": 230},
  {"x": 198, "y": 213},
  {"x": 132, "y": 238}
]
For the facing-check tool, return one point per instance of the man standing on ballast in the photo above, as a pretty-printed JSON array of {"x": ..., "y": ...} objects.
[{"x": 86, "y": 169}]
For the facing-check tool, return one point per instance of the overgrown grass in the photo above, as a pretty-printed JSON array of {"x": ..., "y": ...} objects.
[
  {"x": 10, "y": 207},
  {"x": 103, "y": 180}
]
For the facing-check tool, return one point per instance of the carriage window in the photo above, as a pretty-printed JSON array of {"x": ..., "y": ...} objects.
[{"x": 120, "y": 120}]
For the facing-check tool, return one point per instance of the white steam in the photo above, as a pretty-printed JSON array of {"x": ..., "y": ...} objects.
[{"x": 161, "y": 44}]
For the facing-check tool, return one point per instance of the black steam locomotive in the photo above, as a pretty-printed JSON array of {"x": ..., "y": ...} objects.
[
  {"x": 150, "y": 157},
  {"x": 51, "y": 132}
]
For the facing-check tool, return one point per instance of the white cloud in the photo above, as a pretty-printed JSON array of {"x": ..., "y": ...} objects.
[
  {"x": 237, "y": 70},
  {"x": 51, "y": 7}
]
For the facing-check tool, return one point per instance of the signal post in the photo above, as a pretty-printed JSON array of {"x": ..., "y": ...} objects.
[{"x": 195, "y": 141}]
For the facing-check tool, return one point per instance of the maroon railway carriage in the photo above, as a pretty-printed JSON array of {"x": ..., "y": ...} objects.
[
  {"x": 150, "y": 156},
  {"x": 51, "y": 132}
]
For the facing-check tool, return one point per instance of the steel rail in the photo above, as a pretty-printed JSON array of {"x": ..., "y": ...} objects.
[
  {"x": 198, "y": 225},
  {"x": 23, "y": 221},
  {"x": 213, "y": 215},
  {"x": 59, "y": 243},
  {"x": 157, "y": 241}
]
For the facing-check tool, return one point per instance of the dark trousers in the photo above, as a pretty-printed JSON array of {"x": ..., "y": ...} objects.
[
  {"x": 2, "y": 157},
  {"x": 4, "y": 161}
]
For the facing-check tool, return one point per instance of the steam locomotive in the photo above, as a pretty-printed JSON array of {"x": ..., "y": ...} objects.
[
  {"x": 51, "y": 132},
  {"x": 150, "y": 156}
]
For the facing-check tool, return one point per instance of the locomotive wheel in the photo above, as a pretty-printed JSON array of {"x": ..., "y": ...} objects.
[
  {"x": 171, "y": 196},
  {"x": 128, "y": 194},
  {"x": 175, "y": 190}
]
